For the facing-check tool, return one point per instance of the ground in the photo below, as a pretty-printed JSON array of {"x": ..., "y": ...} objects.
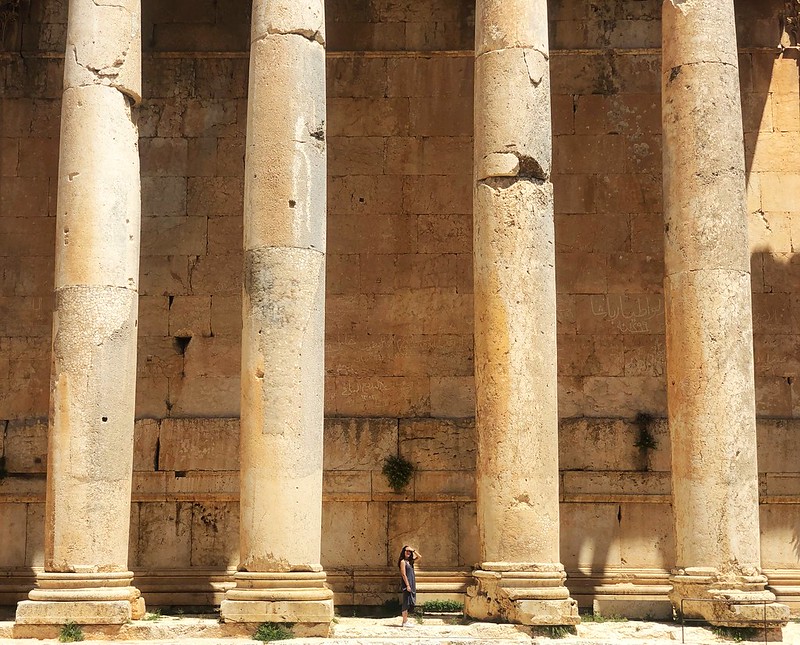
[{"x": 355, "y": 631}]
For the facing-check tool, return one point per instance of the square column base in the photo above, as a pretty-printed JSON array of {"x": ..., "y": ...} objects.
[
  {"x": 534, "y": 596},
  {"x": 80, "y": 612},
  {"x": 94, "y": 598},
  {"x": 301, "y": 598},
  {"x": 728, "y": 601},
  {"x": 309, "y": 618}
]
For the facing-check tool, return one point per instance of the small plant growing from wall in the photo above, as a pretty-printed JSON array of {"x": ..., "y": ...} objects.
[
  {"x": 398, "y": 472},
  {"x": 70, "y": 633},
  {"x": 645, "y": 440}
]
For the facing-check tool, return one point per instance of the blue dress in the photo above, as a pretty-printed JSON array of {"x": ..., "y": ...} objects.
[{"x": 409, "y": 597}]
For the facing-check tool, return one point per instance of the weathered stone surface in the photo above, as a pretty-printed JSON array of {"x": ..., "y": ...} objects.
[
  {"x": 433, "y": 524},
  {"x": 355, "y": 532},
  {"x": 199, "y": 444},
  {"x": 163, "y": 538},
  {"x": 359, "y": 444}
]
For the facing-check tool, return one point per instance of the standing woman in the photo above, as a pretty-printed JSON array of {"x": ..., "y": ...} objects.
[{"x": 408, "y": 556}]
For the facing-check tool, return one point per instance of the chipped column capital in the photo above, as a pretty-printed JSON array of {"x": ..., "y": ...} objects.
[
  {"x": 115, "y": 60},
  {"x": 511, "y": 24},
  {"x": 284, "y": 17}
]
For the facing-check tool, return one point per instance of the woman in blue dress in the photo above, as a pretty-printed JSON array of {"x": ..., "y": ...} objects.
[{"x": 408, "y": 584}]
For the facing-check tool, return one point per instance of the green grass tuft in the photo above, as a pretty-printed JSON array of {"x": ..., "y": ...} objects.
[
  {"x": 735, "y": 634},
  {"x": 600, "y": 618},
  {"x": 441, "y": 606},
  {"x": 70, "y": 633},
  {"x": 273, "y": 632}
]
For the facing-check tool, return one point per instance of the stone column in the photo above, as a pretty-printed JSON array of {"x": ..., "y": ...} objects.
[
  {"x": 710, "y": 382},
  {"x": 90, "y": 445},
  {"x": 520, "y": 578},
  {"x": 280, "y": 578}
]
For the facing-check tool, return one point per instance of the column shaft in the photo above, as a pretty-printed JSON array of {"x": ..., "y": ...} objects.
[
  {"x": 521, "y": 579},
  {"x": 710, "y": 380},
  {"x": 280, "y": 577},
  {"x": 90, "y": 444}
]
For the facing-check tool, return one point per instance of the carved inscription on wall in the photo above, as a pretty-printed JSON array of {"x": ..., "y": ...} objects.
[{"x": 640, "y": 314}]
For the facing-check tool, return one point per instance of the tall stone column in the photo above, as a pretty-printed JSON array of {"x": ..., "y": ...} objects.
[
  {"x": 90, "y": 444},
  {"x": 710, "y": 382},
  {"x": 280, "y": 578},
  {"x": 520, "y": 578}
]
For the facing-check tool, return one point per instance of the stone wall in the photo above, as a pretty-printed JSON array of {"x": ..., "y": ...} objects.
[{"x": 399, "y": 304}]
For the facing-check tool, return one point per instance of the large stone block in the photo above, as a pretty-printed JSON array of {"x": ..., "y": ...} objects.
[
  {"x": 595, "y": 549},
  {"x": 646, "y": 536},
  {"x": 347, "y": 486},
  {"x": 215, "y": 535},
  {"x": 215, "y": 197},
  {"x": 438, "y": 444},
  {"x": 199, "y": 444},
  {"x": 26, "y": 446},
  {"x": 164, "y": 535},
  {"x": 211, "y": 396},
  {"x": 444, "y": 486},
  {"x": 190, "y": 316},
  {"x": 355, "y": 155},
  {"x": 163, "y": 196},
  {"x": 146, "y": 445},
  {"x": 211, "y": 356},
  {"x": 469, "y": 551},
  {"x": 379, "y": 396},
  {"x": 13, "y": 521},
  {"x": 778, "y": 447},
  {"x": 359, "y": 444},
  {"x": 354, "y": 534},
  {"x": 590, "y": 355},
  {"x": 779, "y": 524},
  {"x": 431, "y": 527},
  {"x": 174, "y": 235},
  {"x": 34, "y": 537},
  {"x": 371, "y": 117},
  {"x": 164, "y": 157},
  {"x": 453, "y": 396}
]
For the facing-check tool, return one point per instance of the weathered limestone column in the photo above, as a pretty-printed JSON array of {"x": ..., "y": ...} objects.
[
  {"x": 520, "y": 579},
  {"x": 710, "y": 382},
  {"x": 280, "y": 578},
  {"x": 90, "y": 445}
]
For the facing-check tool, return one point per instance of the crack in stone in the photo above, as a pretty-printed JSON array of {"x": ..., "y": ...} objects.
[
  {"x": 313, "y": 35},
  {"x": 537, "y": 63}
]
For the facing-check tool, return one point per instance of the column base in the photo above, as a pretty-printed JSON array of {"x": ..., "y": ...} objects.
[
  {"x": 297, "y": 597},
  {"x": 726, "y": 600},
  {"x": 522, "y": 593},
  {"x": 82, "y": 598}
]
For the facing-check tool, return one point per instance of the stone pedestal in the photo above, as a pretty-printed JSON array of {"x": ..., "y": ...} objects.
[
  {"x": 85, "y": 599},
  {"x": 280, "y": 578},
  {"x": 520, "y": 579},
  {"x": 518, "y": 593},
  {"x": 710, "y": 381},
  {"x": 90, "y": 442}
]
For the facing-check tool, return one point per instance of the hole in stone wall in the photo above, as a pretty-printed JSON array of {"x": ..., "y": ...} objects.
[
  {"x": 292, "y": 203},
  {"x": 105, "y": 419},
  {"x": 180, "y": 343}
]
